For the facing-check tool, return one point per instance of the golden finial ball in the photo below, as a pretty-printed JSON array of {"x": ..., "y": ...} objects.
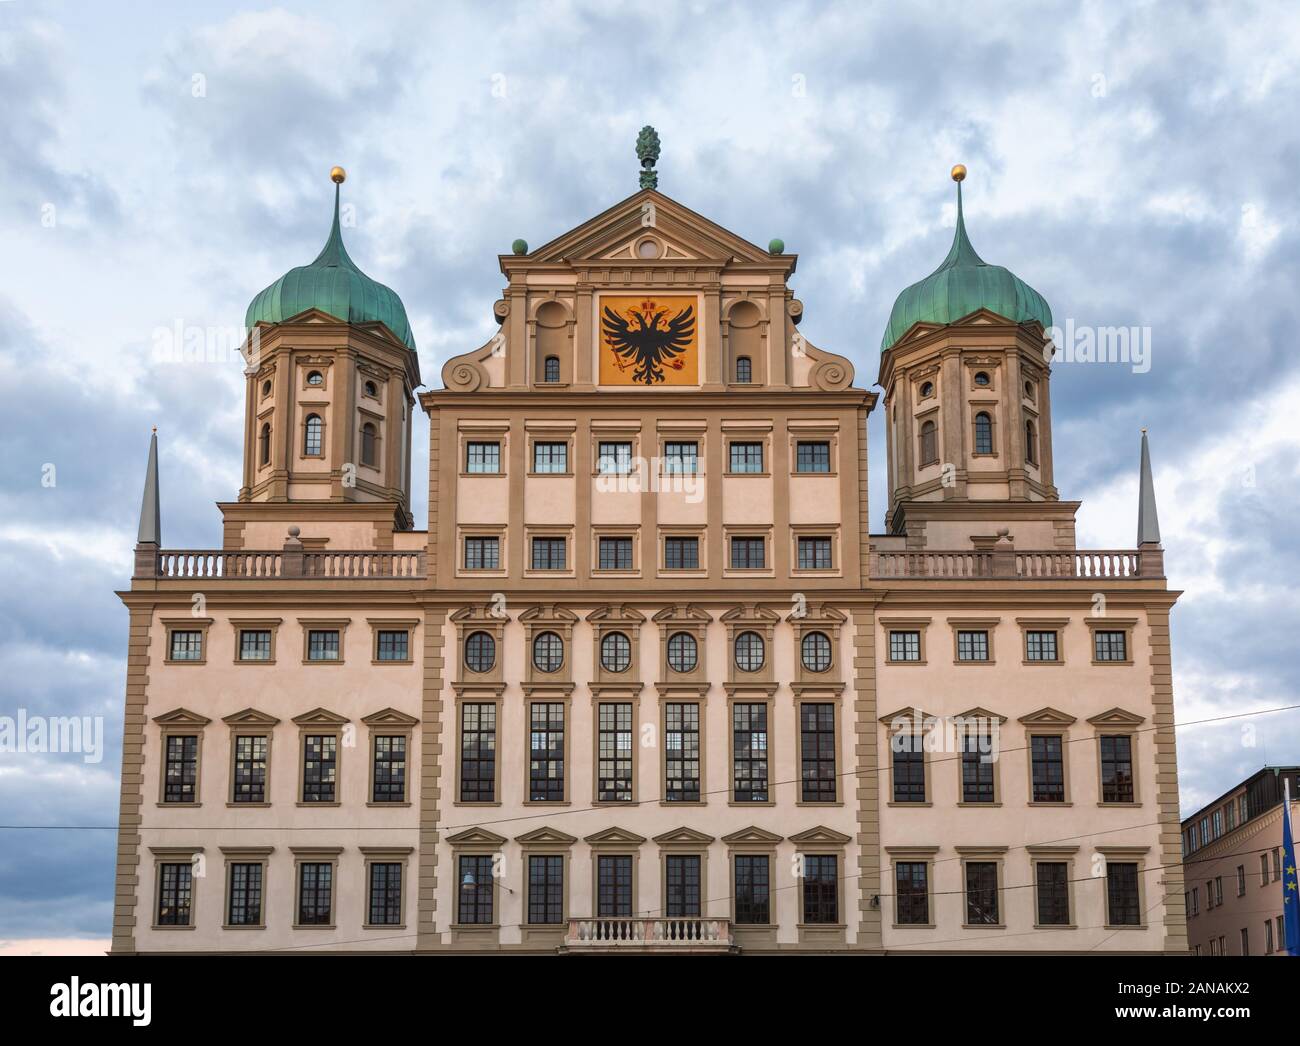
[
  {"x": 959, "y": 173},
  {"x": 338, "y": 175}
]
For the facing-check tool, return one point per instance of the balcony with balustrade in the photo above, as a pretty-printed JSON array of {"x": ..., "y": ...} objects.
[{"x": 674, "y": 935}]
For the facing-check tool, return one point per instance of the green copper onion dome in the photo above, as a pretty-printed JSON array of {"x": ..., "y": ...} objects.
[
  {"x": 332, "y": 284},
  {"x": 963, "y": 284}
]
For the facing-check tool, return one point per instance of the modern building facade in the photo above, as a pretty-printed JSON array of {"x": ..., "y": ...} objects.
[
  {"x": 647, "y": 682},
  {"x": 1235, "y": 869}
]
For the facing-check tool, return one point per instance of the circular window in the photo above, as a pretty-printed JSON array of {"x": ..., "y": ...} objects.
[
  {"x": 372, "y": 390},
  {"x": 682, "y": 652},
  {"x": 1029, "y": 389},
  {"x": 749, "y": 651},
  {"x": 615, "y": 652},
  {"x": 548, "y": 652},
  {"x": 927, "y": 389},
  {"x": 647, "y": 249},
  {"x": 816, "y": 652},
  {"x": 266, "y": 388},
  {"x": 480, "y": 652},
  {"x": 981, "y": 379},
  {"x": 315, "y": 378}
]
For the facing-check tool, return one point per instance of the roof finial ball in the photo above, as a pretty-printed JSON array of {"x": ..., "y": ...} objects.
[
  {"x": 338, "y": 175},
  {"x": 959, "y": 173}
]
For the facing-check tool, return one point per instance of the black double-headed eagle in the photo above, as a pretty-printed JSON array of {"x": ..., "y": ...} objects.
[{"x": 647, "y": 344}]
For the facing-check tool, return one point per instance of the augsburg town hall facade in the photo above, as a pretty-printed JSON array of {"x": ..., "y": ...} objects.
[{"x": 647, "y": 682}]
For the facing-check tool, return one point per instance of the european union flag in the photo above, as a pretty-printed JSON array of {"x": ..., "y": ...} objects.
[{"x": 1290, "y": 893}]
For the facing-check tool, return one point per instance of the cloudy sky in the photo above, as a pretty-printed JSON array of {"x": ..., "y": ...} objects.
[{"x": 161, "y": 163}]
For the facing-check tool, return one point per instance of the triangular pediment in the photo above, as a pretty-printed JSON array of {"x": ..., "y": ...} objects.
[
  {"x": 250, "y": 717},
  {"x": 980, "y": 713},
  {"x": 981, "y": 318},
  {"x": 476, "y": 837},
  {"x": 752, "y": 834},
  {"x": 683, "y": 836},
  {"x": 547, "y": 835},
  {"x": 181, "y": 717},
  {"x": 682, "y": 232},
  {"x": 618, "y": 836},
  {"x": 910, "y": 714},
  {"x": 320, "y": 717},
  {"x": 389, "y": 717},
  {"x": 820, "y": 834},
  {"x": 1047, "y": 716},
  {"x": 1117, "y": 717}
]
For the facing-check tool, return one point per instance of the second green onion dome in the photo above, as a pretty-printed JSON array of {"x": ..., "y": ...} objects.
[
  {"x": 963, "y": 284},
  {"x": 333, "y": 284}
]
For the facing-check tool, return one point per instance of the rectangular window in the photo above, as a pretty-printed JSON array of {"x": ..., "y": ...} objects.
[
  {"x": 682, "y": 553},
  {"x": 682, "y": 879},
  {"x": 393, "y": 645},
  {"x": 482, "y": 457},
  {"x": 1048, "y": 756},
  {"x": 746, "y": 457},
  {"x": 908, "y": 767},
  {"x": 1218, "y": 890},
  {"x": 1196, "y": 900},
  {"x": 550, "y": 457},
  {"x": 385, "y": 893},
  {"x": 315, "y": 893},
  {"x": 483, "y": 553},
  {"x": 976, "y": 768},
  {"x": 182, "y": 771},
  {"x": 545, "y": 890},
  {"x": 972, "y": 646},
  {"x": 981, "y": 893},
  {"x": 245, "y": 907},
  {"x": 250, "y": 769},
  {"x": 814, "y": 554},
  {"x": 912, "y": 893},
  {"x": 175, "y": 882},
  {"x": 681, "y": 457},
  {"x": 1263, "y": 869},
  {"x": 1040, "y": 646},
  {"x": 614, "y": 753},
  {"x": 1218, "y": 823},
  {"x": 1116, "y": 768},
  {"x": 753, "y": 889},
  {"x": 1122, "y": 894},
  {"x": 1245, "y": 941},
  {"x": 478, "y": 753},
  {"x": 1052, "y": 884},
  {"x": 254, "y": 644},
  {"x": 904, "y": 646},
  {"x": 749, "y": 753},
  {"x": 323, "y": 644},
  {"x": 615, "y": 554},
  {"x": 614, "y": 886},
  {"x": 1268, "y": 937},
  {"x": 546, "y": 752},
  {"x": 1110, "y": 646},
  {"x": 614, "y": 458},
  {"x": 812, "y": 456},
  {"x": 1230, "y": 812},
  {"x": 548, "y": 553},
  {"x": 682, "y": 752},
  {"x": 1277, "y": 864},
  {"x": 817, "y": 752},
  {"x": 319, "y": 768},
  {"x": 187, "y": 646},
  {"x": 474, "y": 890},
  {"x": 748, "y": 553},
  {"x": 1241, "y": 880},
  {"x": 389, "y": 785},
  {"x": 821, "y": 889}
]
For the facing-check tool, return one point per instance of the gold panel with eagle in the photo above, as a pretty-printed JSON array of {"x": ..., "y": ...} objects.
[{"x": 649, "y": 340}]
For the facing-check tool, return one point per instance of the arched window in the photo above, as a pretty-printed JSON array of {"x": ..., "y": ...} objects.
[
  {"x": 749, "y": 651},
  {"x": 682, "y": 652},
  {"x": 744, "y": 370},
  {"x": 266, "y": 388},
  {"x": 929, "y": 444},
  {"x": 615, "y": 652},
  {"x": 372, "y": 390},
  {"x": 480, "y": 652},
  {"x": 816, "y": 652},
  {"x": 548, "y": 652},
  {"x": 983, "y": 433},
  {"x": 264, "y": 444},
  {"x": 311, "y": 444},
  {"x": 369, "y": 437},
  {"x": 551, "y": 369},
  {"x": 1031, "y": 443}
]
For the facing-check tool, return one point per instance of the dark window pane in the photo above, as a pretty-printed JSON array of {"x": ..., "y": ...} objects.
[
  {"x": 753, "y": 889},
  {"x": 1122, "y": 905},
  {"x": 1040, "y": 646},
  {"x": 545, "y": 890},
  {"x": 385, "y": 894},
  {"x": 976, "y": 768},
  {"x": 909, "y": 768},
  {"x": 981, "y": 893},
  {"x": 548, "y": 553},
  {"x": 1110, "y": 646},
  {"x": 817, "y": 752},
  {"x": 746, "y": 457},
  {"x": 749, "y": 753},
  {"x": 615, "y": 554},
  {"x": 250, "y": 769},
  {"x": 748, "y": 553},
  {"x": 1048, "y": 761},
  {"x": 480, "y": 652},
  {"x": 390, "y": 770},
  {"x": 682, "y": 652},
  {"x": 1116, "y": 768},
  {"x": 972, "y": 646},
  {"x": 682, "y": 752},
  {"x": 323, "y": 644},
  {"x": 315, "y": 893},
  {"x": 394, "y": 645},
  {"x": 483, "y": 553},
  {"x": 1053, "y": 889},
  {"x": 614, "y": 886},
  {"x": 187, "y": 646},
  {"x": 175, "y": 882},
  {"x": 904, "y": 646},
  {"x": 245, "y": 907},
  {"x": 821, "y": 894},
  {"x": 813, "y": 456},
  {"x": 682, "y": 878},
  {"x": 682, "y": 553},
  {"x": 814, "y": 554},
  {"x": 319, "y": 768},
  {"x": 478, "y": 743},
  {"x": 750, "y": 653},
  {"x": 255, "y": 644},
  {"x": 911, "y": 881},
  {"x": 546, "y": 752},
  {"x": 614, "y": 753},
  {"x": 181, "y": 774}
]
